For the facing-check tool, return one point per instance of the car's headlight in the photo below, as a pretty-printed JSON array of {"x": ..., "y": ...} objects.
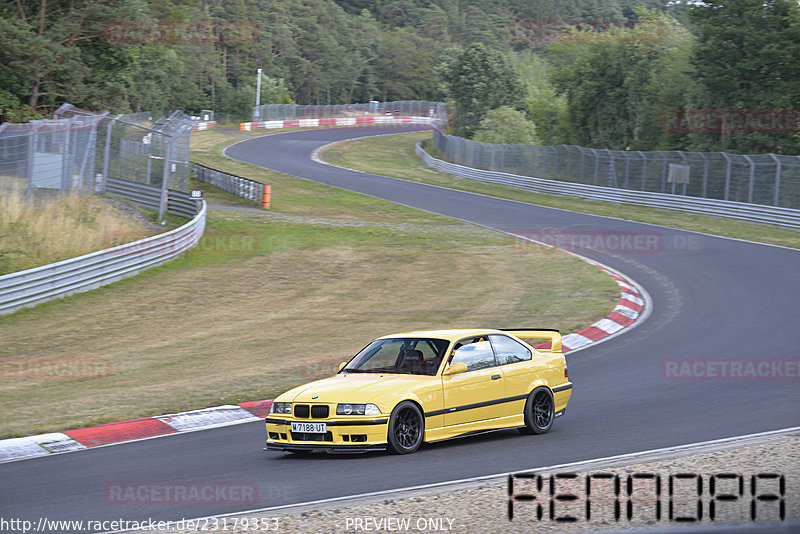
[
  {"x": 281, "y": 407},
  {"x": 357, "y": 409}
]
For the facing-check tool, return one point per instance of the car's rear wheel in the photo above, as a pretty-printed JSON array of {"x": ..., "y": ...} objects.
[
  {"x": 539, "y": 412},
  {"x": 406, "y": 428}
]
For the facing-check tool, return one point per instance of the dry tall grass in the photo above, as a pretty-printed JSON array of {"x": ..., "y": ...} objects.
[{"x": 53, "y": 229}]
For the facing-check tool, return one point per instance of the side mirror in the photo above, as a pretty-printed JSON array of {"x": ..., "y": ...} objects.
[
  {"x": 341, "y": 365},
  {"x": 458, "y": 367}
]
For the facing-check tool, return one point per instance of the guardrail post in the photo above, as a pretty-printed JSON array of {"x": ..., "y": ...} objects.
[{"x": 267, "y": 196}]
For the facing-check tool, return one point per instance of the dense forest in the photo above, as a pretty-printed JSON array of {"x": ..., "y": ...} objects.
[{"x": 616, "y": 74}]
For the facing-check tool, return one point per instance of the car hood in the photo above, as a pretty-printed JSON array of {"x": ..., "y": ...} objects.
[{"x": 353, "y": 388}]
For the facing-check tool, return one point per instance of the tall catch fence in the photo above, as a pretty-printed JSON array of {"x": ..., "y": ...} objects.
[
  {"x": 764, "y": 179},
  {"x": 415, "y": 108},
  {"x": 50, "y": 154},
  {"x": 89, "y": 152}
]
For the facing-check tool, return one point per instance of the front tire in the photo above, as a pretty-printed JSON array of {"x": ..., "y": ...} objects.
[
  {"x": 406, "y": 428},
  {"x": 539, "y": 412}
]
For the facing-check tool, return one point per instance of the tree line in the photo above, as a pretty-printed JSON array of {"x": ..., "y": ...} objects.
[{"x": 617, "y": 74}]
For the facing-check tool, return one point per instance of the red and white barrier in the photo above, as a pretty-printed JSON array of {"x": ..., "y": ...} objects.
[
  {"x": 335, "y": 121},
  {"x": 207, "y": 125}
]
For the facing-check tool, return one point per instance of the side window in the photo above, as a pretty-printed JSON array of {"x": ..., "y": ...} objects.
[
  {"x": 509, "y": 350},
  {"x": 476, "y": 353}
]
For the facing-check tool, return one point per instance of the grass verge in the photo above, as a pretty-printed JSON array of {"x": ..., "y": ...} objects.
[
  {"x": 269, "y": 300},
  {"x": 56, "y": 228},
  {"x": 394, "y": 156}
]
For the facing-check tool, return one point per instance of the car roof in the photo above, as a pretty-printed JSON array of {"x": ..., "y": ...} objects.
[{"x": 451, "y": 334}]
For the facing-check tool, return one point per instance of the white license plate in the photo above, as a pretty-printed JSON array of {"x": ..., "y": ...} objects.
[{"x": 309, "y": 428}]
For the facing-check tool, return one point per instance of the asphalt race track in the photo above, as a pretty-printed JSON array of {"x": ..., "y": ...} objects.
[{"x": 713, "y": 298}]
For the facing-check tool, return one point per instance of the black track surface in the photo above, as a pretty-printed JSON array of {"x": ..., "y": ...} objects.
[{"x": 712, "y": 298}]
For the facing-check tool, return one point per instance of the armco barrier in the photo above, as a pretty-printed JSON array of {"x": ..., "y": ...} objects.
[
  {"x": 241, "y": 187},
  {"x": 148, "y": 196},
  {"x": 704, "y": 206},
  {"x": 40, "y": 284}
]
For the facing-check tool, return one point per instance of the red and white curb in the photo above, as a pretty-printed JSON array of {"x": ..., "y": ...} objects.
[
  {"x": 628, "y": 311},
  {"x": 335, "y": 121},
  {"x": 131, "y": 430}
]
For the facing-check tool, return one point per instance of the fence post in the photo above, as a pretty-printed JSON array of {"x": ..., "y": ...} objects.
[
  {"x": 727, "y": 175},
  {"x": 162, "y": 204},
  {"x": 685, "y": 162},
  {"x": 644, "y": 169},
  {"x": 705, "y": 174},
  {"x": 752, "y": 179},
  {"x": 777, "y": 179},
  {"x": 107, "y": 153},
  {"x": 31, "y": 158},
  {"x": 596, "y": 164}
]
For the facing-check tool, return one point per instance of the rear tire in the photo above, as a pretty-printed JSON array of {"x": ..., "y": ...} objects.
[
  {"x": 406, "y": 428},
  {"x": 539, "y": 412}
]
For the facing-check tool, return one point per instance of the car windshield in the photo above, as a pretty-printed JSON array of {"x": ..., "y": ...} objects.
[{"x": 413, "y": 356}]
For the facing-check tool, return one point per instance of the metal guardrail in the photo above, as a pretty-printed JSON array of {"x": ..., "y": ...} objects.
[
  {"x": 705, "y": 206},
  {"x": 241, "y": 187},
  {"x": 148, "y": 196},
  {"x": 48, "y": 282}
]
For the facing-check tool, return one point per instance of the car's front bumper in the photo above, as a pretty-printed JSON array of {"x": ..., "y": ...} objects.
[{"x": 344, "y": 435}]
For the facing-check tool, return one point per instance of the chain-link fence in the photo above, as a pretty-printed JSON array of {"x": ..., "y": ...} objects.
[
  {"x": 415, "y": 108},
  {"x": 50, "y": 154},
  {"x": 150, "y": 151},
  {"x": 81, "y": 151},
  {"x": 758, "y": 179}
]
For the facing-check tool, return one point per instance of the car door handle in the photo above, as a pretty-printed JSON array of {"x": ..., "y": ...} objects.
[{"x": 495, "y": 377}]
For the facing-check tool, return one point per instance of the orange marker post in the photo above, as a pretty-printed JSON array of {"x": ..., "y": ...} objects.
[{"x": 267, "y": 197}]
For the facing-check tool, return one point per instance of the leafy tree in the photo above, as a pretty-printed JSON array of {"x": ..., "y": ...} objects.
[
  {"x": 53, "y": 51},
  {"x": 404, "y": 67},
  {"x": 477, "y": 81},
  {"x": 506, "y": 126},
  {"x": 616, "y": 90},
  {"x": 746, "y": 58}
]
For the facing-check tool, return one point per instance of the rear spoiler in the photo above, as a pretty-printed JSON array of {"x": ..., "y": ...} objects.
[{"x": 527, "y": 334}]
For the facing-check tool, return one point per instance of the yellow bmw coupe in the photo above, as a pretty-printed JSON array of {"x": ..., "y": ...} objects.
[{"x": 405, "y": 389}]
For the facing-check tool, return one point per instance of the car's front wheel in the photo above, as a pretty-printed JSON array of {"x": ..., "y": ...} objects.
[
  {"x": 406, "y": 428},
  {"x": 539, "y": 412}
]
